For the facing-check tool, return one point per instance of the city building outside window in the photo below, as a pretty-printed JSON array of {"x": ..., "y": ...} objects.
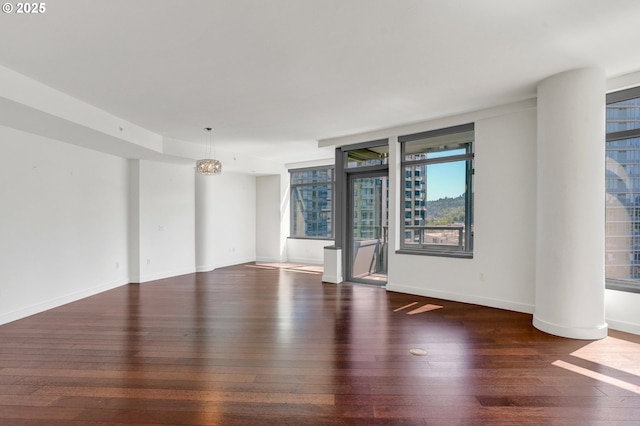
[
  {"x": 437, "y": 203},
  {"x": 312, "y": 202},
  {"x": 622, "y": 229}
]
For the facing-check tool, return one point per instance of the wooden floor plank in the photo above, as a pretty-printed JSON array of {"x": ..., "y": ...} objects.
[
  {"x": 189, "y": 395},
  {"x": 247, "y": 345}
]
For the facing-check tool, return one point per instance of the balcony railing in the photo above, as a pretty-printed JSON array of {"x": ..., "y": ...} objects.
[{"x": 436, "y": 235}]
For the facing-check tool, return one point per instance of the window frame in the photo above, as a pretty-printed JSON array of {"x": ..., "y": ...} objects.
[
  {"x": 292, "y": 186},
  {"x": 630, "y": 286},
  {"x": 436, "y": 250}
]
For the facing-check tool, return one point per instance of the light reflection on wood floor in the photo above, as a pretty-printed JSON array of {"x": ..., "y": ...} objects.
[{"x": 272, "y": 344}]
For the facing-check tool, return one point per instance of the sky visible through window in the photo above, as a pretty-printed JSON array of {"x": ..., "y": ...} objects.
[{"x": 445, "y": 180}]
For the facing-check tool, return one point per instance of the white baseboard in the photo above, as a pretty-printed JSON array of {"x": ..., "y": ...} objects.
[
  {"x": 166, "y": 274},
  {"x": 224, "y": 263},
  {"x": 627, "y": 327},
  {"x": 306, "y": 261},
  {"x": 332, "y": 279},
  {"x": 59, "y": 301},
  {"x": 464, "y": 298},
  {"x": 262, "y": 259},
  {"x": 233, "y": 262},
  {"x": 584, "y": 333},
  {"x": 207, "y": 268}
]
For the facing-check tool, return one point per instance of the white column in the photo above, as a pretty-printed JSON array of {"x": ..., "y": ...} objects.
[
  {"x": 269, "y": 228},
  {"x": 205, "y": 255},
  {"x": 570, "y": 205},
  {"x": 134, "y": 221}
]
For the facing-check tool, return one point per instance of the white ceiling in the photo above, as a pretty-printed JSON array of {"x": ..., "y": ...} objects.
[{"x": 275, "y": 76}]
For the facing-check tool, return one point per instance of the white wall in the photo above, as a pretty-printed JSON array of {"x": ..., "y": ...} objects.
[
  {"x": 63, "y": 223},
  {"x": 306, "y": 250},
  {"x": 233, "y": 230},
  {"x": 76, "y": 222},
  {"x": 166, "y": 220},
  {"x": 268, "y": 219},
  {"x": 205, "y": 260},
  {"x": 502, "y": 271},
  {"x": 621, "y": 310}
]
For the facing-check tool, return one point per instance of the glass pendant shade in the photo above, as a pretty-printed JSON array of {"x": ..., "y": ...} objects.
[{"x": 209, "y": 167}]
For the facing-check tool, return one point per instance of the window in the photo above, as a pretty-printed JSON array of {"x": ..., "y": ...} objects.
[
  {"x": 438, "y": 167},
  {"x": 369, "y": 156},
  {"x": 622, "y": 230},
  {"x": 312, "y": 202}
]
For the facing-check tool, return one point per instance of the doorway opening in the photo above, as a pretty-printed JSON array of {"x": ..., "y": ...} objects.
[
  {"x": 367, "y": 238},
  {"x": 362, "y": 186}
]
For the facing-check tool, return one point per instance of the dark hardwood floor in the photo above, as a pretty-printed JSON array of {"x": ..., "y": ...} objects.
[{"x": 253, "y": 345}]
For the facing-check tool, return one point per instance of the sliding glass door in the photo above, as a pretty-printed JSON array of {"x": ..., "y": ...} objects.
[{"x": 368, "y": 227}]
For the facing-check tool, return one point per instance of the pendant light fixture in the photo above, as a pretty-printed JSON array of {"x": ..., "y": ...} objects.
[{"x": 209, "y": 166}]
